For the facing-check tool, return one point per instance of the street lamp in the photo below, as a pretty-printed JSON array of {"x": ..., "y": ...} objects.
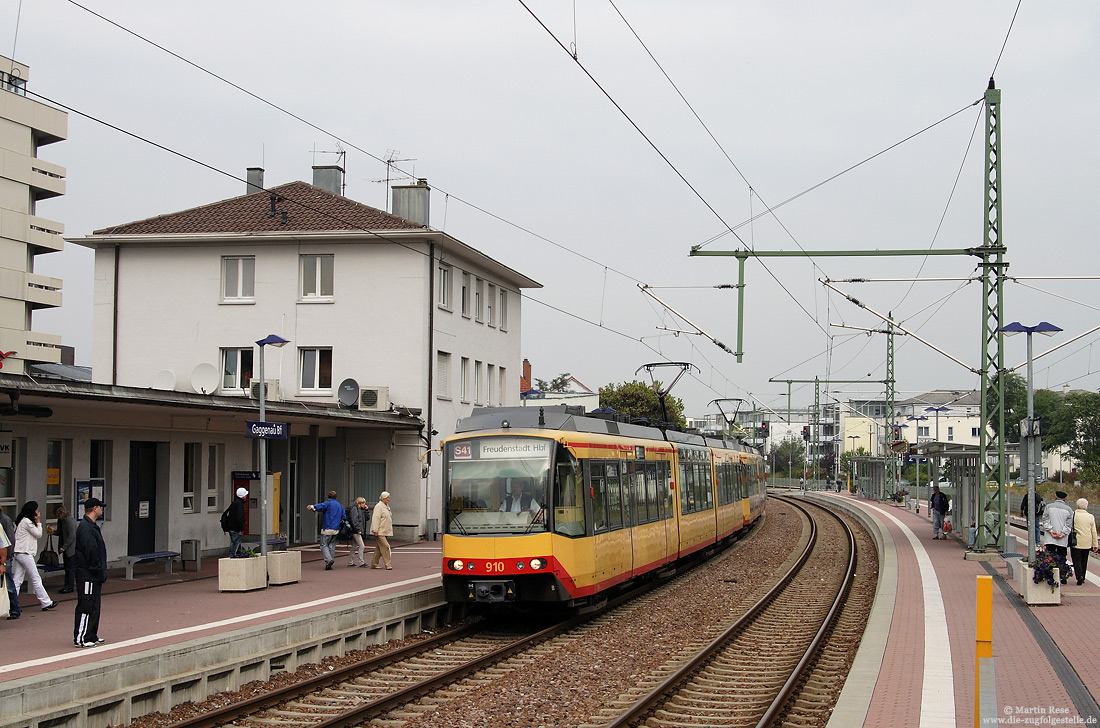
[
  {"x": 917, "y": 419},
  {"x": 1046, "y": 329},
  {"x": 852, "y": 462},
  {"x": 278, "y": 342},
  {"x": 937, "y": 410}
]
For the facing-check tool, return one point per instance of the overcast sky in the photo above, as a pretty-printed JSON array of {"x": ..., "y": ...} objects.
[{"x": 501, "y": 120}]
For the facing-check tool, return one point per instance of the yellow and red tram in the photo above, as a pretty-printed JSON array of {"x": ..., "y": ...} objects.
[{"x": 546, "y": 505}]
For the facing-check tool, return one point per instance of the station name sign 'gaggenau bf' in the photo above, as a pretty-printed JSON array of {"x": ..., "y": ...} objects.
[{"x": 266, "y": 430}]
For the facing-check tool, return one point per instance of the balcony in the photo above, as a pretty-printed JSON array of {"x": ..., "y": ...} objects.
[{"x": 42, "y": 291}]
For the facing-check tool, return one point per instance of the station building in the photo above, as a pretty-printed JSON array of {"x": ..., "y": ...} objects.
[{"x": 394, "y": 331}]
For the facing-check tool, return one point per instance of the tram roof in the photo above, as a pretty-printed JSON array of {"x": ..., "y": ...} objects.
[{"x": 568, "y": 418}]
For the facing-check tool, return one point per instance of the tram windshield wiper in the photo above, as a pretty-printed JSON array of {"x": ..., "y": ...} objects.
[
  {"x": 534, "y": 520},
  {"x": 456, "y": 522}
]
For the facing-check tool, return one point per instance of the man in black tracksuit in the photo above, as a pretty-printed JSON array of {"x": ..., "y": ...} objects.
[{"x": 91, "y": 572}]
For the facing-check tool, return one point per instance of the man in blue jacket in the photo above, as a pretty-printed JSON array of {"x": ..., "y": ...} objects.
[
  {"x": 90, "y": 557},
  {"x": 331, "y": 514}
]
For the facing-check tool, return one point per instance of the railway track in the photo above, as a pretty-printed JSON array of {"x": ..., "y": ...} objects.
[
  {"x": 761, "y": 670},
  {"x": 410, "y": 686}
]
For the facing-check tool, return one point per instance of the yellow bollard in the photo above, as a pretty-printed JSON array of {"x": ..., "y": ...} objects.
[{"x": 983, "y": 637}]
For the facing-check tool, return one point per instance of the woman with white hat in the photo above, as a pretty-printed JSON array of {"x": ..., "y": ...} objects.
[{"x": 233, "y": 522}]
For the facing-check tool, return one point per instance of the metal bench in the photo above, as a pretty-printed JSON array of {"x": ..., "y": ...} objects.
[{"x": 168, "y": 557}]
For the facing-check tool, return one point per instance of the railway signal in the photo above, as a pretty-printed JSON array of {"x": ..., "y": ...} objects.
[{"x": 806, "y": 433}]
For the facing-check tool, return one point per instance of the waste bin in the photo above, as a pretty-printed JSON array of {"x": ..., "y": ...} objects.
[{"x": 191, "y": 550}]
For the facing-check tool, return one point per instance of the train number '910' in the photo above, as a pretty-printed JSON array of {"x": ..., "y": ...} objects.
[{"x": 494, "y": 567}]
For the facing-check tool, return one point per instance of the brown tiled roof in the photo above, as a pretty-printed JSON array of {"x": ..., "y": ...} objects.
[{"x": 308, "y": 209}]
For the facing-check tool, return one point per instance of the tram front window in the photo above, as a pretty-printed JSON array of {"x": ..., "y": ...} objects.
[{"x": 497, "y": 485}]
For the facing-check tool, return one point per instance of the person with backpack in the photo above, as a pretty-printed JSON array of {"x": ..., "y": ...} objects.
[{"x": 233, "y": 522}]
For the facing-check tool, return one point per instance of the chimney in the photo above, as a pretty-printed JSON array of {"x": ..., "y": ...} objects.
[
  {"x": 411, "y": 201},
  {"x": 255, "y": 180},
  {"x": 1065, "y": 389},
  {"x": 330, "y": 178},
  {"x": 527, "y": 372}
]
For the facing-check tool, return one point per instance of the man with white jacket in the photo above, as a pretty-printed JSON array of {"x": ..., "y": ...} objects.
[
  {"x": 381, "y": 527},
  {"x": 1057, "y": 524}
]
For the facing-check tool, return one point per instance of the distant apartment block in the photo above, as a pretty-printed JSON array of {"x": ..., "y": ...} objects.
[{"x": 26, "y": 125}]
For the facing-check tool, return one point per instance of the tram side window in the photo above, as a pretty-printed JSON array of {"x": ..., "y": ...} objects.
[
  {"x": 708, "y": 478},
  {"x": 687, "y": 489},
  {"x": 614, "y": 497},
  {"x": 568, "y": 501},
  {"x": 652, "y": 493}
]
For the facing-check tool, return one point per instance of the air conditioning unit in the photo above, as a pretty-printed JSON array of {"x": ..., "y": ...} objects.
[
  {"x": 374, "y": 399},
  {"x": 271, "y": 390}
]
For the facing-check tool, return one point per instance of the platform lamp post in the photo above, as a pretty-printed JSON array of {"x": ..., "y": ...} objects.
[
  {"x": 852, "y": 462},
  {"x": 918, "y": 419},
  {"x": 278, "y": 342},
  {"x": 1046, "y": 329}
]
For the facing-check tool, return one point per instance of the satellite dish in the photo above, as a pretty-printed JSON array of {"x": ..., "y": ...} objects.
[
  {"x": 204, "y": 378},
  {"x": 348, "y": 393},
  {"x": 164, "y": 379}
]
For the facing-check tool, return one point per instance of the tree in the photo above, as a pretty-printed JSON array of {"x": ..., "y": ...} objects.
[
  {"x": 637, "y": 400},
  {"x": 1015, "y": 404},
  {"x": 1083, "y": 410},
  {"x": 791, "y": 449},
  {"x": 556, "y": 384}
]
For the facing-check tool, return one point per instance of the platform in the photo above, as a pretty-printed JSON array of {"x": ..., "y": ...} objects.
[{"x": 916, "y": 664}]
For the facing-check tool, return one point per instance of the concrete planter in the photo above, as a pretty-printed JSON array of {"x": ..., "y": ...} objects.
[
  {"x": 1040, "y": 593},
  {"x": 284, "y": 567},
  {"x": 242, "y": 574}
]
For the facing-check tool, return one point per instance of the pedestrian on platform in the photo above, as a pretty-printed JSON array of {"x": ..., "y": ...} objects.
[
  {"x": 1084, "y": 525},
  {"x": 91, "y": 572},
  {"x": 66, "y": 539},
  {"x": 234, "y": 522},
  {"x": 14, "y": 610},
  {"x": 1058, "y": 522},
  {"x": 5, "y": 551},
  {"x": 28, "y": 530},
  {"x": 358, "y": 514},
  {"x": 937, "y": 506},
  {"x": 331, "y": 514},
  {"x": 1038, "y": 514},
  {"x": 381, "y": 527}
]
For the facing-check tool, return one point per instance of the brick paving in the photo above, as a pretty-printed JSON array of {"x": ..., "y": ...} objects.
[
  {"x": 1030, "y": 689},
  {"x": 157, "y": 609}
]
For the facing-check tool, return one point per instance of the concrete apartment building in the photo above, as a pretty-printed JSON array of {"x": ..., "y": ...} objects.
[{"x": 26, "y": 126}]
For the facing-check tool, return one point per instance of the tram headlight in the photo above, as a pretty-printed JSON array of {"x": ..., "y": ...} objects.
[
  {"x": 456, "y": 565},
  {"x": 520, "y": 565},
  {"x": 537, "y": 564}
]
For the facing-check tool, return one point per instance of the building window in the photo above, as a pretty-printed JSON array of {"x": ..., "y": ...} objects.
[
  {"x": 7, "y": 482},
  {"x": 99, "y": 468},
  {"x": 443, "y": 286},
  {"x": 491, "y": 304},
  {"x": 239, "y": 279},
  {"x": 316, "y": 368},
  {"x": 236, "y": 368},
  {"x": 442, "y": 375},
  {"x": 501, "y": 396},
  {"x": 922, "y": 431},
  {"x": 317, "y": 274},
  {"x": 479, "y": 299},
  {"x": 464, "y": 379},
  {"x": 55, "y": 470},
  {"x": 477, "y": 382},
  {"x": 192, "y": 474},
  {"x": 503, "y": 312},
  {"x": 490, "y": 382},
  {"x": 466, "y": 295},
  {"x": 215, "y": 461},
  {"x": 950, "y": 434},
  {"x": 974, "y": 432}
]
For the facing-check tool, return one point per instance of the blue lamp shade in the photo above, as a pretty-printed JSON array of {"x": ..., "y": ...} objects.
[
  {"x": 1043, "y": 327},
  {"x": 273, "y": 340}
]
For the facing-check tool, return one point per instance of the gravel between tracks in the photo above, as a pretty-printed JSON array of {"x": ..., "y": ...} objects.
[{"x": 568, "y": 685}]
